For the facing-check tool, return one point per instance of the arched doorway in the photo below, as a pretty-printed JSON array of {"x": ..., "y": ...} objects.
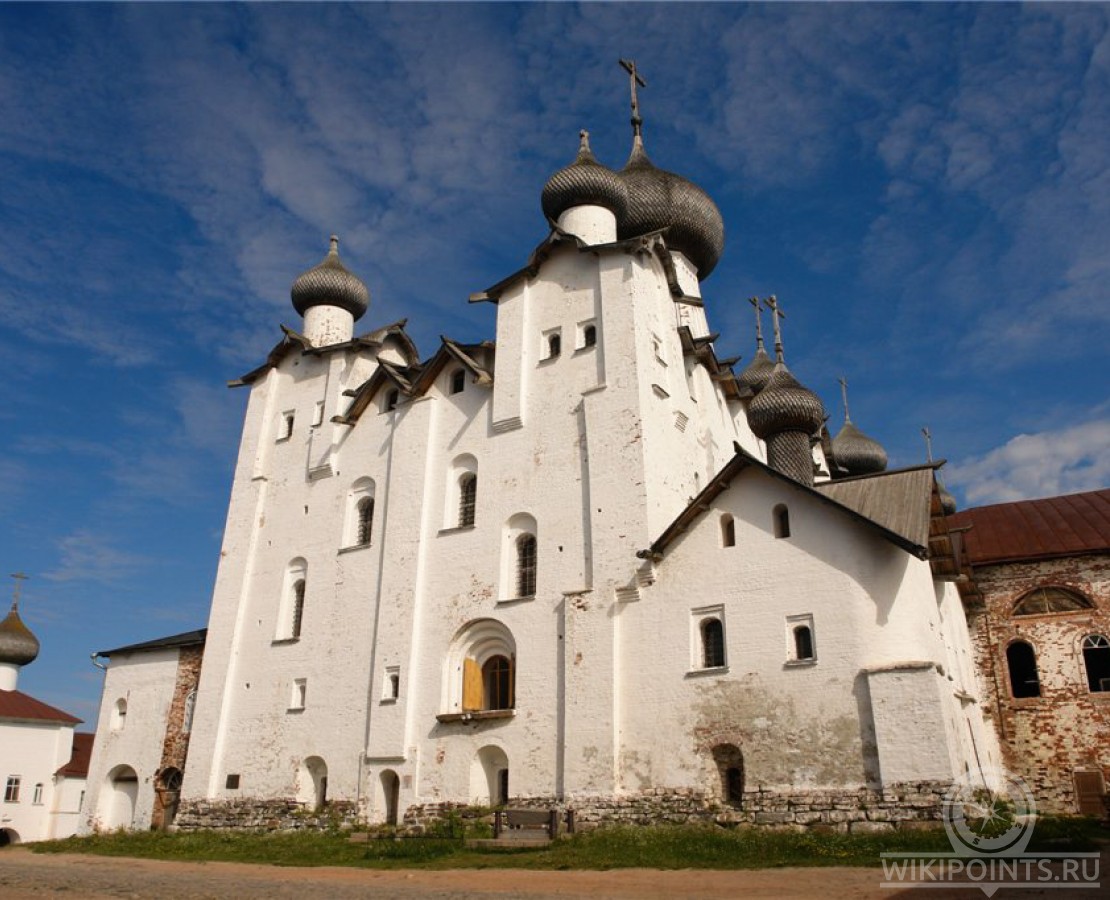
[
  {"x": 7, "y": 836},
  {"x": 118, "y": 798},
  {"x": 167, "y": 795},
  {"x": 312, "y": 783},
  {"x": 729, "y": 761},
  {"x": 391, "y": 792},
  {"x": 489, "y": 777}
]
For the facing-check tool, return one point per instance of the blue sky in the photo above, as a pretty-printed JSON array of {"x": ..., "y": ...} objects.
[{"x": 925, "y": 188}]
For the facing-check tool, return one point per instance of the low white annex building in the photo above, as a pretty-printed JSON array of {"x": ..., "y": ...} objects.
[
  {"x": 43, "y": 764},
  {"x": 579, "y": 564}
]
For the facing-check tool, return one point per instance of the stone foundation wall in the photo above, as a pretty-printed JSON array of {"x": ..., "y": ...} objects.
[
  {"x": 263, "y": 815},
  {"x": 905, "y": 806}
]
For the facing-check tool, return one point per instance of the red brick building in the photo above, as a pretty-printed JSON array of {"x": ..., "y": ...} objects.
[{"x": 1043, "y": 640}]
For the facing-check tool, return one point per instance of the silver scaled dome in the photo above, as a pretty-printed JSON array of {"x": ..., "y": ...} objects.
[
  {"x": 785, "y": 405},
  {"x": 17, "y": 645},
  {"x": 330, "y": 283},
  {"x": 856, "y": 453},
  {"x": 658, "y": 200},
  {"x": 584, "y": 182}
]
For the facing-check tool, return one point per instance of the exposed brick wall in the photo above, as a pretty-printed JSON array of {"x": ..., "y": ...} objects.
[
  {"x": 175, "y": 746},
  {"x": 1045, "y": 739}
]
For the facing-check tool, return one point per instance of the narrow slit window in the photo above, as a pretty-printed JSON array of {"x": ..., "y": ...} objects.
[
  {"x": 458, "y": 381},
  {"x": 712, "y": 644},
  {"x": 554, "y": 345},
  {"x": 468, "y": 499},
  {"x": 803, "y": 642},
  {"x": 728, "y": 531},
  {"x": 365, "y": 520},
  {"x": 781, "y": 516},
  {"x": 589, "y": 336},
  {"x": 298, "y": 607},
  {"x": 526, "y": 565}
]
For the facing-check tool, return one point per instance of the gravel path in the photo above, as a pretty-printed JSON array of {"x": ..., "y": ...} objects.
[{"x": 30, "y": 876}]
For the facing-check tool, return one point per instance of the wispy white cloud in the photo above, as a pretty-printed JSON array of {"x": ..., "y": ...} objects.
[
  {"x": 89, "y": 556},
  {"x": 1044, "y": 464}
]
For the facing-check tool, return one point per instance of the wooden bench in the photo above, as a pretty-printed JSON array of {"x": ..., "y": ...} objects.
[{"x": 526, "y": 824}]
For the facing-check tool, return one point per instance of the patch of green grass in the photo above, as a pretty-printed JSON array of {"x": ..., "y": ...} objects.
[{"x": 657, "y": 847}]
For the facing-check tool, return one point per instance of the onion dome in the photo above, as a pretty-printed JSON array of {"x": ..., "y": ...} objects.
[
  {"x": 757, "y": 372},
  {"x": 659, "y": 200},
  {"x": 947, "y": 501},
  {"x": 585, "y": 182},
  {"x": 330, "y": 283},
  {"x": 856, "y": 453},
  {"x": 785, "y": 405},
  {"x": 17, "y": 645}
]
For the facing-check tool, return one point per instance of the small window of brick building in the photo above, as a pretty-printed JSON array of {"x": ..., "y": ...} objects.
[
  {"x": 1050, "y": 599},
  {"x": 1096, "y": 659},
  {"x": 1022, "y": 663}
]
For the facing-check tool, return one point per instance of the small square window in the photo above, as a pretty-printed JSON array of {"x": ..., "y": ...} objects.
[
  {"x": 587, "y": 335},
  {"x": 300, "y": 692},
  {"x": 458, "y": 381},
  {"x": 552, "y": 343},
  {"x": 318, "y": 414},
  {"x": 232, "y": 783},
  {"x": 285, "y": 426}
]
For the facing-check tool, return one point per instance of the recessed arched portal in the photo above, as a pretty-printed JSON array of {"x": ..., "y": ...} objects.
[
  {"x": 118, "y": 798},
  {"x": 489, "y": 777},
  {"x": 312, "y": 783},
  {"x": 8, "y": 836},
  {"x": 391, "y": 792}
]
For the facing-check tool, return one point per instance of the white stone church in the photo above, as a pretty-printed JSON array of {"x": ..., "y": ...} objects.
[{"x": 581, "y": 564}]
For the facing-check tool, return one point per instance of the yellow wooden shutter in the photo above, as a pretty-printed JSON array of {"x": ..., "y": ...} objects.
[{"x": 472, "y": 685}]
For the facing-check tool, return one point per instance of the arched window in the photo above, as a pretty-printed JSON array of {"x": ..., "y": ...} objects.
[
  {"x": 728, "y": 531},
  {"x": 298, "y": 607},
  {"x": 1050, "y": 599},
  {"x": 358, "y": 530},
  {"x": 291, "y": 611},
  {"x": 1096, "y": 659},
  {"x": 589, "y": 336},
  {"x": 1022, "y": 663},
  {"x": 458, "y": 381},
  {"x": 497, "y": 683},
  {"x": 803, "y": 642},
  {"x": 712, "y": 643},
  {"x": 781, "y": 516},
  {"x": 526, "y": 565},
  {"x": 119, "y": 715},
  {"x": 187, "y": 714},
  {"x": 365, "y": 520},
  {"x": 481, "y": 668},
  {"x": 468, "y": 498}
]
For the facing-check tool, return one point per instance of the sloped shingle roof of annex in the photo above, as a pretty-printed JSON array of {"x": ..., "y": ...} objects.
[
  {"x": 294, "y": 340},
  {"x": 916, "y": 544},
  {"x": 185, "y": 639},
  {"x": 898, "y": 499},
  {"x": 415, "y": 380},
  {"x": 18, "y": 705},
  {"x": 78, "y": 765},
  {"x": 1072, "y": 525}
]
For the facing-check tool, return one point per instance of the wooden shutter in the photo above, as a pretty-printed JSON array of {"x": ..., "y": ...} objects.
[
  {"x": 472, "y": 685},
  {"x": 1088, "y": 793}
]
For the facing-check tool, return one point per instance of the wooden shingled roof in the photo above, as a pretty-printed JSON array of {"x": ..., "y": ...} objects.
[{"x": 1072, "y": 525}]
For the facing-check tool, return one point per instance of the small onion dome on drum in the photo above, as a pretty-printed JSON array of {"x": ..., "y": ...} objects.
[
  {"x": 947, "y": 501},
  {"x": 658, "y": 199},
  {"x": 856, "y": 453},
  {"x": 785, "y": 405},
  {"x": 585, "y": 182},
  {"x": 17, "y": 645},
  {"x": 330, "y": 284},
  {"x": 757, "y": 372}
]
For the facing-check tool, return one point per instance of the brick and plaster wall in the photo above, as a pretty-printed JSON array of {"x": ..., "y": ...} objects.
[{"x": 1047, "y": 739}]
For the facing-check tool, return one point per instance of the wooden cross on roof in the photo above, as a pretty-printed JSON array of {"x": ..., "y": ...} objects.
[{"x": 629, "y": 65}]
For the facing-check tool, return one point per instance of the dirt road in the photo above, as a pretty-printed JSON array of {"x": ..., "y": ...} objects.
[{"x": 30, "y": 876}]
